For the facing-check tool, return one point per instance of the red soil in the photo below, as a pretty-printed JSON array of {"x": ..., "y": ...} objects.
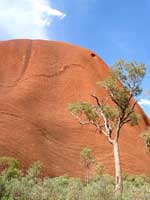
[{"x": 37, "y": 81}]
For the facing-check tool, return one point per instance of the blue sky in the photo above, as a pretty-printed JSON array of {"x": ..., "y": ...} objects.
[{"x": 113, "y": 29}]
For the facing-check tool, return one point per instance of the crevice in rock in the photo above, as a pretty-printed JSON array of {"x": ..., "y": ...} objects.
[{"x": 26, "y": 59}]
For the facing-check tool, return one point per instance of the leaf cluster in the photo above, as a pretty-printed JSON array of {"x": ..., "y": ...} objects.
[
  {"x": 146, "y": 135},
  {"x": 110, "y": 112},
  {"x": 83, "y": 108},
  {"x": 85, "y": 154},
  {"x": 134, "y": 119},
  {"x": 119, "y": 95},
  {"x": 130, "y": 74},
  {"x": 122, "y": 86}
]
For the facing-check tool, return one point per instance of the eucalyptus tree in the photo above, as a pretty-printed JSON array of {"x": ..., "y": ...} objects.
[{"x": 123, "y": 84}]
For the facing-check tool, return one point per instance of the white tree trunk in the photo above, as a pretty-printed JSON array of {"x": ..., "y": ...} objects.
[{"x": 118, "y": 175}]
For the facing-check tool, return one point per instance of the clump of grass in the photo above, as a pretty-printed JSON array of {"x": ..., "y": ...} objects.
[{"x": 18, "y": 185}]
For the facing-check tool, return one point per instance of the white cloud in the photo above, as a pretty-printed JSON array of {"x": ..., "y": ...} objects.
[
  {"x": 26, "y": 18},
  {"x": 144, "y": 102}
]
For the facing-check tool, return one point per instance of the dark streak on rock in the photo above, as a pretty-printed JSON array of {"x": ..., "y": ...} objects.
[{"x": 27, "y": 59}]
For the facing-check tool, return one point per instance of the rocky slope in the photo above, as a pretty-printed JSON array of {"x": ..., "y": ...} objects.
[{"x": 37, "y": 81}]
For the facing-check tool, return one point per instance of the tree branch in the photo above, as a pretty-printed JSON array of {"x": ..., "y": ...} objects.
[
  {"x": 97, "y": 100},
  {"x": 106, "y": 122},
  {"x": 125, "y": 119}
]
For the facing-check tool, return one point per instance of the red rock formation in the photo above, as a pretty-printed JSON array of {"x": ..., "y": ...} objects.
[{"x": 37, "y": 80}]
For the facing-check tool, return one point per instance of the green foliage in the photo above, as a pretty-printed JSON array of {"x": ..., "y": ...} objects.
[
  {"x": 83, "y": 108},
  {"x": 99, "y": 169},
  {"x": 29, "y": 186},
  {"x": 109, "y": 112},
  {"x": 75, "y": 107},
  {"x": 10, "y": 170},
  {"x": 35, "y": 170},
  {"x": 11, "y": 162},
  {"x": 88, "y": 160},
  {"x": 86, "y": 155},
  {"x": 134, "y": 119},
  {"x": 146, "y": 137},
  {"x": 130, "y": 74},
  {"x": 123, "y": 84}
]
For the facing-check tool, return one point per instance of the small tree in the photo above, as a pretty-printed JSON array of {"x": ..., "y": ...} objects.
[
  {"x": 146, "y": 137},
  {"x": 88, "y": 160},
  {"x": 122, "y": 86}
]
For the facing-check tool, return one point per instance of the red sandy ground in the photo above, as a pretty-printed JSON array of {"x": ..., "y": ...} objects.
[{"x": 37, "y": 81}]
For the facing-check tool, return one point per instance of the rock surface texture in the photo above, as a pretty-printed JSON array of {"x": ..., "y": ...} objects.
[{"x": 37, "y": 81}]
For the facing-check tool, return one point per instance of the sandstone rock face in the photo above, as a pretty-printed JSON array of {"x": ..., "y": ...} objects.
[{"x": 37, "y": 81}]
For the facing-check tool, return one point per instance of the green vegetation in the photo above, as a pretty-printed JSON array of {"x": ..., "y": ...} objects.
[
  {"x": 29, "y": 185},
  {"x": 123, "y": 84},
  {"x": 88, "y": 160},
  {"x": 17, "y": 184},
  {"x": 146, "y": 137}
]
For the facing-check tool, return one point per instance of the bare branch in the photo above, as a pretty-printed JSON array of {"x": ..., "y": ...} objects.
[
  {"x": 110, "y": 93},
  {"x": 133, "y": 106},
  {"x": 82, "y": 122},
  {"x": 106, "y": 121},
  {"x": 108, "y": 137},
  {"x": 125, "y": 119},
  {"x": 97, "y": 100}
]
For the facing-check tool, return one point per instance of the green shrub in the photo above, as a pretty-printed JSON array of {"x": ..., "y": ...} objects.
[{"x": 16, "y": 185}]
